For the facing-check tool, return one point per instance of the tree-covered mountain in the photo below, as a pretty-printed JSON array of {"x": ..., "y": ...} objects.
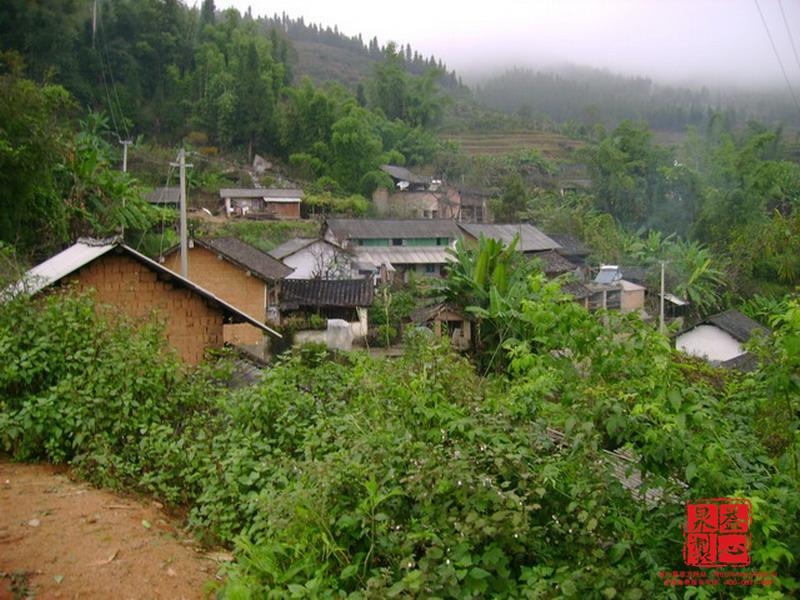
[{"x": 588, "y": 96}]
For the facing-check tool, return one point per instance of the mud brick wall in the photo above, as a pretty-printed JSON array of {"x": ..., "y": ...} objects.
[
  {"x": 232, "y": 284},
  {"x": 191, "y": 324}
]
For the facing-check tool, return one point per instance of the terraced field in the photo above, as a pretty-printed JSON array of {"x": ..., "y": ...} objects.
[{"x": 552, "y": 145}]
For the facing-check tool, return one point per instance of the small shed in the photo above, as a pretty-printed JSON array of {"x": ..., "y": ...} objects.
[{"x": 446, "y": 320}]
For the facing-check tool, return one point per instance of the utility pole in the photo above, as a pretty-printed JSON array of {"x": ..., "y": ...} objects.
[
  {"x": 184, "y": 234},
  {"x": 661, "y": 303},
  {"x": 125, "y": 144},
  {"x": 124, "y": 170},
  {"x": 94, "y": 21}
]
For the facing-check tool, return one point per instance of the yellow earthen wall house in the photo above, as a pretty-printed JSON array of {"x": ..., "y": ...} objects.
[
  {"x": 231, "y": 284},
  {"x": 191, "y": 324}
]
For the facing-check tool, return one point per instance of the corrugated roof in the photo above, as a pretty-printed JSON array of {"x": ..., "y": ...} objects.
[
  {"x": 62, "y": 264},
  {"x": 570, "y": 246},
  {"x": 554, "y": 263},
  {"x": 365, "y": 229},
  {"x": 404, "y": 174},
  {"x": 260, "y": 193},
  {"x": 164, "y": 195},
  {"x": 402, "y": 255},
  {"x": 290, "y": 247},
  {"x": 531, "y": 238},
  {"x": 736, "y": 324},
  {"x": 86, "y": 251},
  {"x": 248, "y": 257},
  {"x": 327, "y": 292}
]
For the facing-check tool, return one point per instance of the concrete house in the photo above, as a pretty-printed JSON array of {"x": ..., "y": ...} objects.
[
  {"x": 610, "y": 291},
  {"x": 137, "y": 286},
  {"x": 240, "y": 274},
  {"x": 719, "y": 339},
  {"x": 415, "y": 197},
  {"x": 314, "y": 258},
  {"x": 395, "y": 247},
  {"x": 265, "y": 203}
]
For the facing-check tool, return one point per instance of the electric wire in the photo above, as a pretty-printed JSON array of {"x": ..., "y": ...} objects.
[
  {"x": 777, "y": 55},
  {"x": 111, "y": 75},
  {"x": 789, "y": 32}
]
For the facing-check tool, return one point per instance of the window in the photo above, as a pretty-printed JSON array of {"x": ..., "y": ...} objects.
[
  {"x": 397, "y": 242},
  {"x": 614, "y": 300},
  {"x": 430, "y": 269}
]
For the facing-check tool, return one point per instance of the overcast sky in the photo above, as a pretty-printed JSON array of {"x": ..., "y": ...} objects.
[{"x": 705, "y": 41}]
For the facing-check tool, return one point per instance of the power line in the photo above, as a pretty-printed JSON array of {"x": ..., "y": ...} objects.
[
  {"x": 113, "y": 81},
  {"x": 789, "y": 31},
  {"x": 777, "y": 55}
]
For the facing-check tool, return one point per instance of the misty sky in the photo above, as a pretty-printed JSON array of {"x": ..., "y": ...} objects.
[{"x": 704, "y": 41}]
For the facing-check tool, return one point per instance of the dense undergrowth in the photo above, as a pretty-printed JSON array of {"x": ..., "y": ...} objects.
[{"x": 348, "y": 476}]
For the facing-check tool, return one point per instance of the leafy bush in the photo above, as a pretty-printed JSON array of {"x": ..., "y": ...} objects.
[{"x": 342, "y": 475}]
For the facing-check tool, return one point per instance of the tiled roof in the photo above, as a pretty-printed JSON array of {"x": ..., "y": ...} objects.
[
  {"x": 260, "y": 193},
  {"x": 570, "y": 246},
  {"x": 531, "y": 238},
  {"x": 554, "y": 263},
  {"x": 736, "y": 324},
  {"x": 164, "y": 195},
  {"x": 404, "y": 174},
  {"x": 745, "y": 362},
  {"x": 290, "y": 247},
  {"x": 246, "y": 256},
  {"x": 327, "y": 292},
  {"x": 577, "y": 289},
  {"x": 364, "y": 229}
]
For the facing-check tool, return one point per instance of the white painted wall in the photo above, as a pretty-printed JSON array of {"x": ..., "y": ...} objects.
[
  {"x": 709, "y": 342},
  {"x": 315, "y": 258}
]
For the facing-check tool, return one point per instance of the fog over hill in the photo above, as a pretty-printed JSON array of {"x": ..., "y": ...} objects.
[{"x": 681, "y": 42}]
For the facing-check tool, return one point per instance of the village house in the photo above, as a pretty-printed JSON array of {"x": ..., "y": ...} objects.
[
  {"x": 719, "y": 339},
  {"x": 266, "y": 203},
  {"x": 395, "y": 247},
  {"x": 473, "y": 206},
  {"x": 194, "y": 318},
  {"x": 240, "y": 274},
  {"x": 314, "y": 258},
  {"x": 610, "y": 291},
  {"x": 415, "y": 197},
  {"x": 165, "y": 197},
  {"x": 345, "y": 300},
  {"x": 571, "y": 248},
  {"x": 531, "y": 240}
]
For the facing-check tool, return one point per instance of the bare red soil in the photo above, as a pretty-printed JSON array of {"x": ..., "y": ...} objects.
[{"x": 62, "y": 539}]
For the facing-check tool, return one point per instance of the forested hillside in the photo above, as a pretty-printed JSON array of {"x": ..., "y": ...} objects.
[{"x": 588, "y": 96}]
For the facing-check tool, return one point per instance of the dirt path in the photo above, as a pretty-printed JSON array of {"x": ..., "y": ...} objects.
[{"x": 61, "y": 539}]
